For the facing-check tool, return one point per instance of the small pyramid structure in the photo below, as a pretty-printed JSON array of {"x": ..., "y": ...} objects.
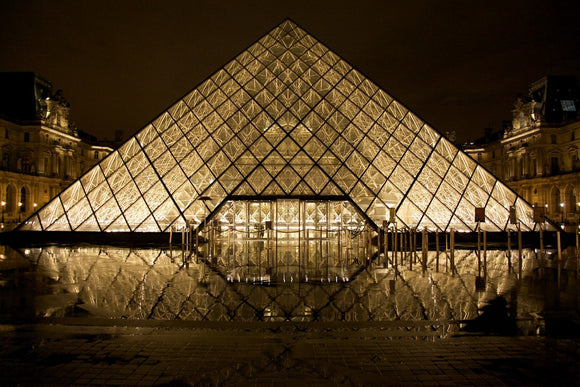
[{"x": 286, "y": 118}]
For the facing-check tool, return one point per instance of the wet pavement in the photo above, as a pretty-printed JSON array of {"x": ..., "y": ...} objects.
[
  {"x": 113, "y": 316},
  {"x": 107, "y": 352}
]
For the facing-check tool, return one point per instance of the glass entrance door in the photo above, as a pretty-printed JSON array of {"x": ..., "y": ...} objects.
[{"x": 288, "y": 240}]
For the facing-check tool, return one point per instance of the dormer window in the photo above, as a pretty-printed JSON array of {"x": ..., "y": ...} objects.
[{"x": 568, "y": 105}]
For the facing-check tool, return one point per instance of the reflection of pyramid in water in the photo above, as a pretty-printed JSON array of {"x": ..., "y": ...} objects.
[{"x": 285, "y": 118}]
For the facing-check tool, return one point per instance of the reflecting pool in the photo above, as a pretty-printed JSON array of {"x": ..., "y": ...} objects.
[{"x": 174, "y": 284}]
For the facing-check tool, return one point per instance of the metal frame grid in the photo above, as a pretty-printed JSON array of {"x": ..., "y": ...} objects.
[{"x": 285, "y": 118}]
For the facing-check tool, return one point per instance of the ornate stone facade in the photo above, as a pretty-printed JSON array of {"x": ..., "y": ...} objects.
[
  {"x": 537, "y": 155},
  {"x": 40, "y": 150}
]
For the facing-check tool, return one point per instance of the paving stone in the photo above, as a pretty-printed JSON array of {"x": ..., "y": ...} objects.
[{"x": 260, "y": 357}]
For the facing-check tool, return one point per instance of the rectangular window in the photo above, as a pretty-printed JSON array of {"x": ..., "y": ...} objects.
[
  {"x": 568, "y": 105},
  {"x": 96, "y": 155},
  {"x": 554, "y": 165}
]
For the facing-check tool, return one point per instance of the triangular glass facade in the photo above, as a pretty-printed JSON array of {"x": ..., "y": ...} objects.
[{"x": 287, "y": 118}]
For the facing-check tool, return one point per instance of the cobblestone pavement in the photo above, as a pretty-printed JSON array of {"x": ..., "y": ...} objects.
[{"x": 275, "y": 354}]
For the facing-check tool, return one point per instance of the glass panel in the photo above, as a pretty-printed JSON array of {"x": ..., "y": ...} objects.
[
  {"x": 60, "y": 224},
  {"x": 50, "y": 213},
  {"x": 357, "y": 163},
  {"x": 466, "y": 212},
  {"x": 448, "y": 195},
  {"x": 164, "y": 163},
  {"x": 184, "y": 196},
  {"x": 438, "y": 214},
  {"x": 146, "y": 179},
  {"x": 127, "y": 195},
  {"x": 288, "y": 179},
  {"x": 174, "y": 179},
  {"x": 373, "y": 179},
  {"x": 165, "y": 215},
  {"x": 98, "y": 196},
  {"x": 525, "y": 214},
  {"x": 259, "y": 179},
  {"x": 118, "y": 225},
  {"x": 475, "y": 195},
  {"x": 420, "y": 196},
  {"x": 92, "y": 178},
  {"x": 108, "y": 213},
  {"x": 401, "y": 179},
  {"x": 156, "y": 195},
  {"x": 90, "y": 224},
  {"x": 316, "y": 179},
  {"x": 72, "y": 195},
  {"x": 79, "y": 213},
  {"x": 302, "y": 163},
  {"x": 137, "y": 214},
  {"x": 384, "y": 163},
  {"x": 429, "y": 179},
  {"x": 119, "y": 179}
]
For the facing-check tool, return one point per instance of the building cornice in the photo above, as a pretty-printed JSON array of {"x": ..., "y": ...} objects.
[
  {"x": 101, "y": 147},
  {"x": 59, "y": 133},
  {"x": 520, "y": 136}
]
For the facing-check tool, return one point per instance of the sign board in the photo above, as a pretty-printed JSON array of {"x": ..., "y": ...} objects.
[
  {"x": 539, "y": 214},
  {"x": 392, "y": 215},
  {"x": 513, "y": 216},
  {"x": 480, "y": 214}
]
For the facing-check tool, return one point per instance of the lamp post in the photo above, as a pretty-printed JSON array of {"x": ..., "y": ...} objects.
[
  {"x": 19, "y": 211},
  {"x": 562, "y": 207},
  {"x": 3, "y": 207}
]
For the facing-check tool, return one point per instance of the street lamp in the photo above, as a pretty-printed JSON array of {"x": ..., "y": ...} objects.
[
  {"x": 19, "y": 211},
  {"x": 562, "y": 206},
  {"x": 3, "y": 207}
]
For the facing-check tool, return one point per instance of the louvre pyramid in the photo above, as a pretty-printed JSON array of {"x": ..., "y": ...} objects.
[{"x": 286, "y": 118}]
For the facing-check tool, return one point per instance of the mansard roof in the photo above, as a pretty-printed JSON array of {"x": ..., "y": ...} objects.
[{"x": 285, "y": 118}]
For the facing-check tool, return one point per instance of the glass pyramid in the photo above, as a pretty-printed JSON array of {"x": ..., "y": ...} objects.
[{"x": 287, "y": 118}]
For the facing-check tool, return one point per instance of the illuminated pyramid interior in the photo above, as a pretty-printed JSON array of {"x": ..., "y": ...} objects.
[{"x": 290, "y": 133}]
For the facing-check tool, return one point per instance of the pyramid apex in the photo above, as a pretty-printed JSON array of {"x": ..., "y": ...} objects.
[{"x": 287, "y": 24}]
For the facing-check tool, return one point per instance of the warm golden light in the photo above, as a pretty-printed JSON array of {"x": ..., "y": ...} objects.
[{"x": 287, "y": 118}]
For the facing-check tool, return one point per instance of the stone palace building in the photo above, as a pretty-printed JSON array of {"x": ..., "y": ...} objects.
[
  {"x": 40, "y": 150},
  {"x": 537, "y": 153}
]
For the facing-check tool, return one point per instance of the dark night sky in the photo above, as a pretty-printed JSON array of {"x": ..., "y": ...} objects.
[{"x": 459, "y": 67}]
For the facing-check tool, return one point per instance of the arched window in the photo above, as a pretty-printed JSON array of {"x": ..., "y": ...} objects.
[
  {"x": 555, "y": 200},
  {"x": 10, "y": 199},
  {"x": 570, "y": 199},
  {"x": 554, "y": 164},
  {"x": 23, "y": 199}
]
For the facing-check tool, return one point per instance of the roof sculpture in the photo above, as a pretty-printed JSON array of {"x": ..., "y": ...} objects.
[{"x": 285, "y": 118}]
